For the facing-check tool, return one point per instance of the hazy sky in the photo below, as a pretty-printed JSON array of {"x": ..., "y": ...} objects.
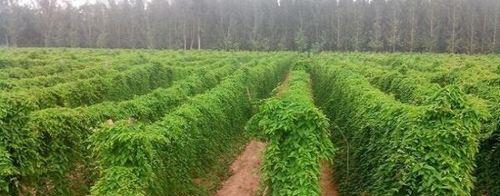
[
  {"x": 74, "y": 2},
  {"x": 80, "y": 2}
]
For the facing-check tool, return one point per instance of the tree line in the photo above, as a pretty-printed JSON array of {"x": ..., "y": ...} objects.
[{"x": 455, "y": 26}]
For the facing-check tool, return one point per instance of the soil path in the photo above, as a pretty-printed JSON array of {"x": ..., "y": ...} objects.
[
  {"x": 283, "y": 85},
  {"x": 246, "y": 172},
  {"x": 245, "y": 180},
  {"x": 328, "y": 187}
]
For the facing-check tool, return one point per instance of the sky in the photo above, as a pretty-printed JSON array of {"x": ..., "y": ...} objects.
[
  {"x": 74, "y": 2},
  {"x": 80, "y": 2},
  {"x": 77, "y": 3}
]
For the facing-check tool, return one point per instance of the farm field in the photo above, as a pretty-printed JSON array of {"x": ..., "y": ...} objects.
[{"x": 153, "y": 122}]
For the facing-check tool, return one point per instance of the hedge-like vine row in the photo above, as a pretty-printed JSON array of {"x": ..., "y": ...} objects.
[
  {"x": 121, "y": 86},
  {"x": 407, "y": 88},
  {"x": 17, "y": 73},
  {"x": 485, "y": 85},
  {"x": 163, "y": 158},
  {"x": 20, "y": 62},
  {"x": 15, "y": 107},
  {"x": 475, "y": 76},
  {"x": 28, "y": 67},
  {"x": 67, "y": 61},
  {"x": 47, "y": 81},
  {"x": 69, "y": 128},
  {"x": 297, "y": 136},
  {"x": 387, "y": 147},
  {"x": 61, "y": 132},
  {"x": 26, "y": 63},
  {"x": 98, "y": 70},
  {"x": 415, "y": 87}
]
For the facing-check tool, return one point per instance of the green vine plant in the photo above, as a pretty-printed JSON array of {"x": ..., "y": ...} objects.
[
  {"x": 163, "y": 158},
  {"x": 297, "y": 136},
  {"x": 398, "y": 148}
]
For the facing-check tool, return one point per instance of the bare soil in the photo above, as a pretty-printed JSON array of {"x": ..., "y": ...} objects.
[
  {"x": 283, "y": 85},
  {"x": 328, "y": 187},
  {"x": 246, "y": 172}
]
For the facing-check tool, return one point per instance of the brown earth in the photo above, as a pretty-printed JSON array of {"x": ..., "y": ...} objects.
[
  {"x": 246, "y": 172},
  {"x": 328, "y": 187}
]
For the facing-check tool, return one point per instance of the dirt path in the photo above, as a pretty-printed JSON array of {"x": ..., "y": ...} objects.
[
  {"x": 328, "y": 187},
  {"x": 246, "y": 172},
  {"x": 283, "y": 85}
]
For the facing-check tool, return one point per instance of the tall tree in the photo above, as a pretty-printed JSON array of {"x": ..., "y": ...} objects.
[
  {"x": 3, "y": 22},
  {"x": 48, "y": 10},
  {"x": 394, "y": 22},
  {"x": 377, "y": 33},
  {"x": 458, "y": 26},
  {"x": 494, "y": 47}
]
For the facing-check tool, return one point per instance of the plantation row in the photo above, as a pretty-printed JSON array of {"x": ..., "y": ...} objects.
[
  {"x": 69, "y": 129},
  {"x": 409, "y": 83},
  {"x": 145, "y": 122},
  {"x": 29, "y": 63},
  {"x": 481, "y": 81},
  {"x": 297, "y": 136},
  {"x": 164, "y": 156},
  {"x": 46, "y": 120},
  {"x": 396, "y": 148}
]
